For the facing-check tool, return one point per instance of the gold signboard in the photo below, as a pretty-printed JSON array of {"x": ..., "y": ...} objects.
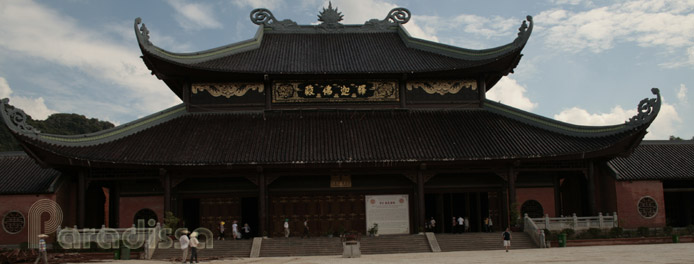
[
  {"x": 442, "y": 87},
  {"x": 341, "y": 181},
  {"x": 334, "y": 91},
  {"x": 227, "y": 89}
]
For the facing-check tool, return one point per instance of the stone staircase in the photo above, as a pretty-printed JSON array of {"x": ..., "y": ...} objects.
[
  {"x": 295, "y": 246},
  {"x": 221, "y": 249},
  {"x": 482, "y": 241},
  {"x": 391, "y": 244}
]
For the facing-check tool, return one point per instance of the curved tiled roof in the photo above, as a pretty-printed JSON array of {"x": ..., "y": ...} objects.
[
  {"x": 177, "y": 137},
  {"x": 340, "y": 49},
  {"x": 657, "y": 160},
  {"x": 21, "y": 175}
]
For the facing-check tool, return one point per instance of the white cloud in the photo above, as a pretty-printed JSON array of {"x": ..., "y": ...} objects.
[
  {"x": 35, "y": 107},
  {"x": 666, "y": 24},
  {"x": 269, "y": 4},
  {"x": 508, "y": 91},
  {"x": 682, "y": 94},
  {"x": 44, "y": 35},
  {"x": 663, "y": 127},
  {"x": 193, "y": 16}
]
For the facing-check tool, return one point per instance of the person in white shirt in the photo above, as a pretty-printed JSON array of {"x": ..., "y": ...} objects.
[
  {"x": 432, "y": 224},
  {"x": 235, "y": 230},
  {"x": 467, "y": 224},
  {"x": 461, "y": 224},
  {"x": 194, "y": 247},
  {"x": 183, "y": 240},
  {"x": 490, "y": 227},
  {"x": 286, "y": 227}
]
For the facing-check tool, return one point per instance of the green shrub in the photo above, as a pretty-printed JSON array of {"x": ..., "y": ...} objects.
[
  {"x": 594, "y": 233},
  {"x": 667, "y": 230},
  {"x": 569, "y": 232},
  {"x": 643, "y": 231},
  {"x": 690, "y": 229},
  {"x": 616, "y": 232}
]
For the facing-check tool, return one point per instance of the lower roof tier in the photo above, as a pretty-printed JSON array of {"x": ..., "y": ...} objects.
[{"x": 175, "y": 137}]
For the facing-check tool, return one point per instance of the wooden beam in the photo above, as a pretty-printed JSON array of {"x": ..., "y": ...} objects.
[{"x": 81, "y": 189}]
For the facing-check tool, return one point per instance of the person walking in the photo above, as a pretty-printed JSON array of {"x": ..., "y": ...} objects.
[
  {"x": 507, "y": 238},
  {"x": 286, "y": 228},
  {"x": 461, "y": 224},
  {"x": 184, "y": 242},
  {"x": 486, "y": 224},
  {"x": 467, "y": 224},
  {"x": 490, "y": 227},
  {"x": 432, "y": 224},
  {"x": 246, "y": 231},
  {"x": 235, "y": 230},
  {"x": 194, "y": 247},
  {"x": 453, "y": 224},
  {"x": 42, "y": 249},
  {"x": 306, "y": 229},
  {"x": 221, "y": 230}
]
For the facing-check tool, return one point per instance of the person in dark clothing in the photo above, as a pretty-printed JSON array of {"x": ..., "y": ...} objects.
[{"x": 507, "y": 238}]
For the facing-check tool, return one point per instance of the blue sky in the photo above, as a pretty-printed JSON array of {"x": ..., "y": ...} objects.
[{"x": 587, "y": 62}]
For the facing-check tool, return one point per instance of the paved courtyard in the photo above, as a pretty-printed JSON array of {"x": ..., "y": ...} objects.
[{"x": 659, "y": 253}]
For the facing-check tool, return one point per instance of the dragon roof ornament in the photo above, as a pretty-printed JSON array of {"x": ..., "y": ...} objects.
[
  {"x": 16, "y": 117},
  {"x": 648, "y": 109},
  {"x": 330, "y": 18}
]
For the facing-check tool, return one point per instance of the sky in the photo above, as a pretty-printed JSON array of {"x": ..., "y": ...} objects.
[{"x": 587, "y": 62}]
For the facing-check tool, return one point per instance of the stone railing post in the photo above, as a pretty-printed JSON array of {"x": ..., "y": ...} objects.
[
  {"x": 575, "y": 225},
  {"x": 547, "y": 226},
  {"x": 600, "y": 220}
]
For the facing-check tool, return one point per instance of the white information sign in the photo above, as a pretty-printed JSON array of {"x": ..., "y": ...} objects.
[{"x": 391, "y": 212}]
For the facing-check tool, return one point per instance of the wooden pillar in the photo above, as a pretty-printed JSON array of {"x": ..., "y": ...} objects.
[
  {"x": 504, "y": 210},
  {"x": 267, "y": 85},
  {"x": 421, "y": 218},
  {"x": 167, "y": 193},
  {"x": 440, "y": 217},
  {"x": 402, "y": 88},
  {"x": 482, "y": 89},
  {"x": 115, "y": 206},
  {"x": 262, "y": 202},
  {"x": 480, "y": 217},
  {"x": 557, "y": 196},
  {"x": 512, "y": 185},
  {"x": 590, "y": 175},
  {"x": 81, "y": 189}
]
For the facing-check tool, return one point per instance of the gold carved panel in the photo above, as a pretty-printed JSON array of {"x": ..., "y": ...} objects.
[
  {"x": 334, "y": 91},
  {"x": 443, "y": 87},
  {"x": 227, "y": 89}
]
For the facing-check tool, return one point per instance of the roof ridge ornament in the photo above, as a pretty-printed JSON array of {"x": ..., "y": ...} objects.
[
  {"x": 263, "y": 17},
  {"x": 647, "y": 109},
  {"x": 525, "y": 29},
  {"x": 142, "y": 33},
  {"x": 330, "y": 17},
  {"x": 16, "y": 117},
  {"x": 396, "y": 16}
]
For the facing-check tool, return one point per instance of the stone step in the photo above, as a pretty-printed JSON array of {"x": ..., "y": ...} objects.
[
  {"x": 388, "y": 244},
  {"x": 221, "y": 248},
  {"x": 281, "y": 247},
  {"x": 481, "y": 241}
]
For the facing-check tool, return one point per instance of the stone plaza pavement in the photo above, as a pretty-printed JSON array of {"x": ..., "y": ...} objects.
[{"x": 658, "y": 253}]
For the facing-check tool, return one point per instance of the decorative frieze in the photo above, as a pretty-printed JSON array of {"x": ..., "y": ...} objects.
[
  {"x": 336, "y": 91},
  {"x": 227, "y": 90},
  {"x": 443, "y": 87}
]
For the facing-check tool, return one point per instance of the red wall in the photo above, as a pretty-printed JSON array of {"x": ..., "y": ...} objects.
[
  {"x": 543, "y": 195},
  {"x": 20, "y": 203},
  {"x": 628, "y": 195},
  {"x": 130, "y": 205}
]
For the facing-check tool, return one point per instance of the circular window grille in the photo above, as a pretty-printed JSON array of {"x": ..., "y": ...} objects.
[
  {"x": 532, "y": 208},
  {"x": 147, "y": 215},
  {"x": 13, "y": 222},
  {"x": 648, "y": 207}
]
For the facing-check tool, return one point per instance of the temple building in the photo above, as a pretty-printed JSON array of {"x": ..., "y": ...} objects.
[{"x": 347, "y": 126}]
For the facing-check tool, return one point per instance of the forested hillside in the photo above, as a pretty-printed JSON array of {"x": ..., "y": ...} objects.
[{"x": 60, "y": 124}]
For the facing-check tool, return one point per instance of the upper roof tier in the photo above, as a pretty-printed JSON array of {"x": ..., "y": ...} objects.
[
  {"x": 378, "y": 48},
  {"x": 178, "y": 138}
]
